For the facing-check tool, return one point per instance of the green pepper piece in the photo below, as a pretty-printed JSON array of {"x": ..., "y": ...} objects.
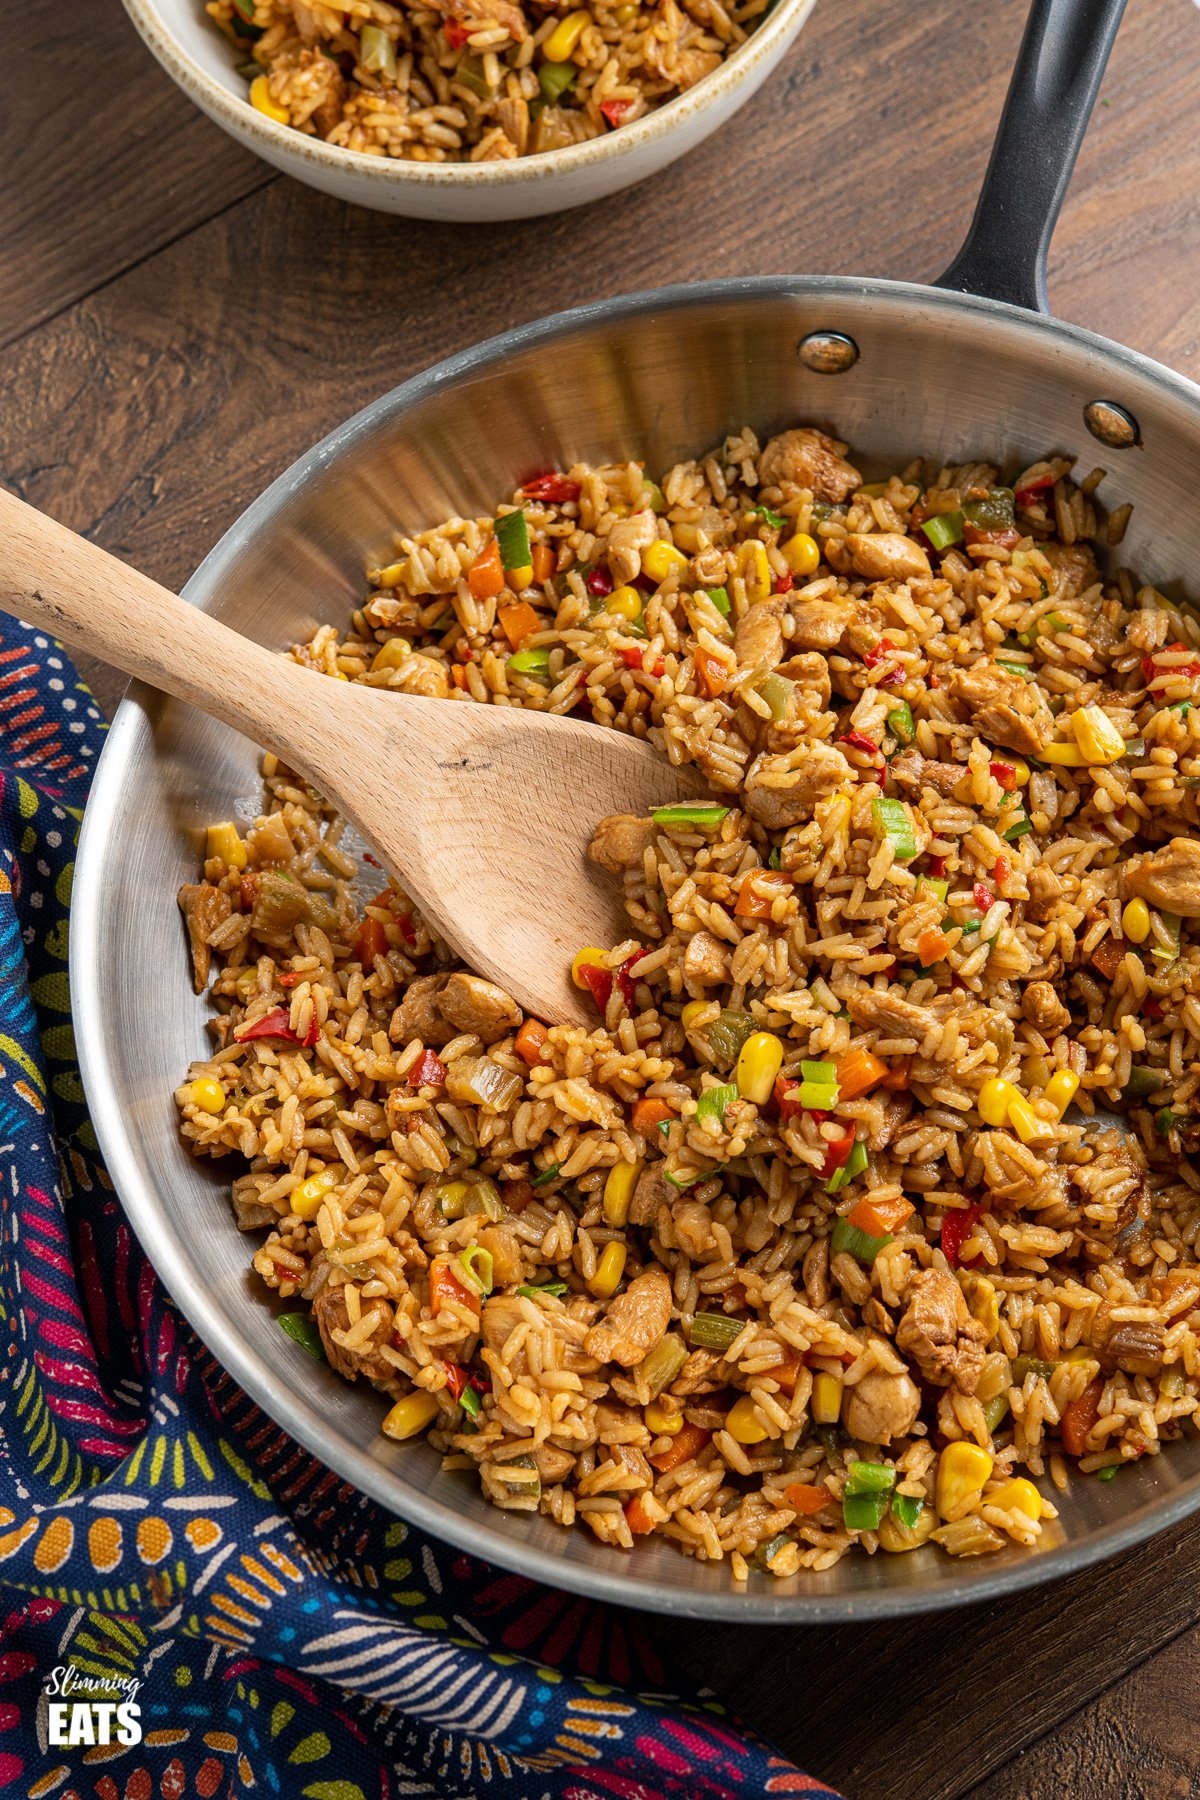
[
  {"x": 859, "y": 1244},
  {"x": 554, "y": 79},
  {"x": 901, "y": 724},
  {"x": 863, "y": 1512},
  {"x": 908, "y": 1509},
  {"x": 301, "y": 1327},
  {"x": 714, "y": 1100},
  {"x": 703, "y": 814},
  {"x": 720, "y": 599},
  {"x": 530, "y": 662},
  {"x": 892, "y": 818},
  {"x": 512, "y": 535}
]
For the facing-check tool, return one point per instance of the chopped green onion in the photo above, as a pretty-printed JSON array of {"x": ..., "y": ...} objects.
[
  {"x": 853, "y": 1166},
  {"x": 777, "y": 691},
  {"x": 817, "y": 1096},
  {"x": 555, "y": 78},
  {"x": 825, "y": 1072},
  {"x": 714, "y": 1100},
  {"x": 943, "y": 529},
  {"x": 773, "y": 859},
  {"x": 705, "y": 814},
  {"x": 1166, "y": 1119},
  {"x": 653, "y": 494},
  {"x": 1182, "y": 707},
  {"x": 1173, "y": 926},
  {"x": 470, "y": 1402},
  {"x": 1015, "y": 668},
  {"x": 690, "y": 1177},
  {"x": 892, "y": 818},
  {"x": 530, "y": 662},
  {"x": 1109, "y": 1473},
  {"x": 714, "y": 1331},
  {"x": 869, "y": 1478},
  {"x": 995, "y": 1412},
  {"x": 720, "y": 599},
  {"x": 554, "y": 1288},
  {"x": 848, "y": 1239},
  {"x": 900, "y": 723},
  {"x": 969, "y": 926},
  {"x": 512, "y": 535},
  {"x": 246, "y": 9},
  {"x": 1135, "y": 747},
  {"x": 301, "y": 1327},
  {"x": 1021, "y": 828},
  {"x": 937, "y": 885},
  {"x": 378, "y": 51},
  {"x": 765, "y": 1555},
  {"x": 908, "y": 1509},
  {"x": 480, "y": 1277},
  {"x": 1144, "y": 1081},
  {"x": 772, "y": 518},
  {"x": 471, "y": 73},
  {"x": 863, "y": 1512},
  {"x": 1031, "y": 1365},
  {"x": 546, "y": 1175}
]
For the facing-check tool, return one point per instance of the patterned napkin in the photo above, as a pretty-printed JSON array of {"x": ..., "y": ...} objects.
[{"x": 245, "y": 1619}]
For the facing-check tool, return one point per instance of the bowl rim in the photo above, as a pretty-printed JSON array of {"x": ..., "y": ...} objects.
[
  {"x": 434, "y": 1511},
  {"x": 782, "y": 23}
]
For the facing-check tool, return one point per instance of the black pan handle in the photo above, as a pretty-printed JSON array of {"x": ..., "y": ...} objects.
[{"x": 1049, "y": 102}]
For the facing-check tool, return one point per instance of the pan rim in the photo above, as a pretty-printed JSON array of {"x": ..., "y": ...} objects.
[{"x": 136, "y": 715}]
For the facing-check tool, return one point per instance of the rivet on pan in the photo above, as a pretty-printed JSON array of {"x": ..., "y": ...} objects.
[
  {"x": 1112, "y": 424},
  {"x": 828, "y": 352}
]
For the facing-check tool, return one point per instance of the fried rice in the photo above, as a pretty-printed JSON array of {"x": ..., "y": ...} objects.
[
  {"x": 815, "y": 1240},
  {"x": 474, "y": 80}
]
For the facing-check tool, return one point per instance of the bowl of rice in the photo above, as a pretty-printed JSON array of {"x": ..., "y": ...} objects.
[{"x": 469, "y": 110}]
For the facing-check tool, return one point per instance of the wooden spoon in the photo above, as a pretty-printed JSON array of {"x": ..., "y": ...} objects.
[{"x": 483, "y": 812}]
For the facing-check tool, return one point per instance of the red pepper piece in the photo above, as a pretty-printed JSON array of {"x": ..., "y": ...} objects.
[
  {"x": 784, "y": 584},
  {"x": 937, "y": 867},
  {"x": 247, "y": 890},
  {"x": 837, "y": 1154},
  {"x": 599, "y": 981},
  {"x": 275, "y": 1025},
  {"x": 858, "y": 740},
  {"x": 1152, "y": 1009},
  {"x": 1001, "y": 870},
  {"x": 1038, "y": 485},
  {"x": 428, "y": 1071},
  {"x": 956, "y": 1229},
  {"x": 615, "y": 110},
  {"x": 1006, "y": 774},
  {"x": 635, "y": 658},
  {"x": 599, "y": 582},
  {"x": 625, "y": 978},
  {"x": 456, "y": 33},
  {"x": 288, "y": 979},
  {"x": 789, "y": 1106},
  {"x": 982, "y": 896},
  {"x": 553, "y": 488},
  {"x": 456, "y": 1378},
  {"x": 1006, "y": 538},
  {"x": 883, "y": 649},
  {"x": 1150, "y": 668}
]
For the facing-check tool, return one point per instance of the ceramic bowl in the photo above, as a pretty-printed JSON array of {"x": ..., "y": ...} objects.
[{"x": 200, "y": 61}]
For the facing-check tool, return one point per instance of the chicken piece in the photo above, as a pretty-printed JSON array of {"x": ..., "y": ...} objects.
[
  {"x": 693, "y": 1228},
  {"x": 634, "y": 1322},
  {"x": 512, "y": 116},
  {"x": 499, "y": 12},
  {"x": 1045, "y": 892},
  {"x": 1074, "y": 569},
  {"x": 810, "y": 671},
  {"x": 808, "y": 459},
  {"x": 626, "y": 541},
  {"x": 692, "y": 65},
  {"x": 938, "y": 1332},
  {"x": 881, "y": 1407},
  {"x": 823, "y": 770},
  {"x": 423, "y": 675},
  {"x": 758, "y": 640},
  {"x": 471, "y": 1004},
  {"x": 507, "y": 1264},
  {"x": 912, "y": 771},
  {"x": 704, "y": 1372},
  {"x": 553, "y": 1464},
  {"x": 501, "y": 1315},
  {"x": 651, "y": 1192},
  {"x": 821, "y": 624},
  {"x": 1168, "y": 877},
  {"x": 890, "y": 1012},
  {"x": 419, "y": 1016},
  {"x": 706, "y": 959},
  {"x": 329, "y": 1311},
  {"x": 886, "y": 556},
  {"x": 1003, "y": 708},
  {"x": 1135, "y": 1345},
  {"x": 621, "y": 841},
  {"x": 1043, "y": 1008},
  {"x": 204, "y": 907}
]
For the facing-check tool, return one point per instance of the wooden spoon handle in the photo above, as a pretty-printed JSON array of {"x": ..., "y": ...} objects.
[{"x": 56, "y": 580}]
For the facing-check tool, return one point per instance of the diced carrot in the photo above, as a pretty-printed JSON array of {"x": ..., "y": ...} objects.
[
  {"x": 759, "y": 892},
  {"x": 486, "y": 577},
  {"x": 458, "y": 676},
  {"x": 711, "y": 674},
  {"x": 637, "y": 1518},
  {"x": 858, "y": 1072},
  {"x": 370, "y": 941},
  {"x": 518, "y": 622},
  {"x": 529, "y": 1041},
  {"x": 517, "y": 1195},
  {"x": 445, "y": 1287},
  {"x": 897, "y": 1078},
  {"x": 688, "y": 1442},
  {"x": 648, "y": 1114},
  {"x": 785, "y": 1373},
  {"x": 932, "y": 945},
  {"x": 542, "y": 557},
  {"x": 803, "y": 1497},
  {"x": 1079, "y": 1416},
  {"x": 879, "y": 1218},
  {"x": 1109, "y": 955}
]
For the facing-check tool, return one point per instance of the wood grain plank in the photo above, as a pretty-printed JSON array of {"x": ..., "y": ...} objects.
[{"x": 105, "y": 160}]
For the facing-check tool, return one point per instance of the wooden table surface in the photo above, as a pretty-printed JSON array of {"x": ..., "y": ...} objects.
[{"x": 177, "y": 323}]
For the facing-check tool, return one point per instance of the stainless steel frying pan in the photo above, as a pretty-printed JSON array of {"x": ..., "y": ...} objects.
[{"x": 970, "y": 366}]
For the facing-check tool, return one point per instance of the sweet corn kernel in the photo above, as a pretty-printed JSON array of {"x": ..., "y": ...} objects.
[
  {"x": 826, "y": 1398},
  {"x": 1079, "y": 1354},
  {"x": 519, "y": 579},
  {"x": 609, "y": 1271},
  {"x": 452, "y": 1198},
  {"x": 801, "y": 554},
  {"x": 1135, "y": 921},
  {"x": 305, "y": 1200},
  {"x": 755, "y": 570},
  {"x": 205, "y": 1093},
  {"x": 1018, "y": 1493},
  {"x": 223, "y": 841},
  {"x": 759, "y": 1062},
  {"x": 1024, "y": 1121},
  {"x": 260, "y": 99},
  {"x": 995, "y": 1097},
  {"x": 397, "y": 650},
  {"x": 588, "y": 957},
  {"x": 1069, "y": 755},
  {"x": 692, "y": 1011},
  {"x": 1096, "y": 735},
  {"x": 246, "y": 979},
  {"x": 983, "y": 1303},
  {"x": 414, "y": 1414},
  {"x": 626, "y": 602},
  {"x": 392, "y": 576},
  {"x": 962, "y": 1471},
  {"x": 1061, "y": 1089},
  {"x": 661, "y": 558},
  {"x": 563, "y": 39},
  {"x": 618, "y": 1191},
  {"x": 744, "y": 1423},
  {"x": 897, "y": 1538},
  {"x": 662, "y": 1422}
]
